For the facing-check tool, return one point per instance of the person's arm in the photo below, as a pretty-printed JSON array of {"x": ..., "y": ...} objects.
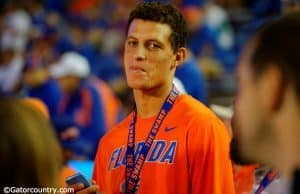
[{"x": 208, "y": 154}]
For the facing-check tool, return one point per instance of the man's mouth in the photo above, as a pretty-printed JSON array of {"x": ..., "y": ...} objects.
[{"x": 137, "y": 69}]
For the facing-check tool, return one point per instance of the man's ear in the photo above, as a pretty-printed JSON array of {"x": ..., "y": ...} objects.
[
  {"x": 272, "y": 88},
  {"x": 180, "y": 56}
]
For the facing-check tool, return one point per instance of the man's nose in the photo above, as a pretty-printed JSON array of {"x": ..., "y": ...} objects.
[{"x": 140, "y": 53}]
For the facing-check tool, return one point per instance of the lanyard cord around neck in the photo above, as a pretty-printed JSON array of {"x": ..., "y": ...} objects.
[
  {"x": 268, "y": 178},
  {"x": 133, "y": 167}
]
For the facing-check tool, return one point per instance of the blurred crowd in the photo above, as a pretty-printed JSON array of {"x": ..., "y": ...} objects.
[{"x": 68, "y": 54}]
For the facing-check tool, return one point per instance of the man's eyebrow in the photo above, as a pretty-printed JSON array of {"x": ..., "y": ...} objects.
[
  {"x": 130, "y": 37},
  {"x": 153, "y": 40}
]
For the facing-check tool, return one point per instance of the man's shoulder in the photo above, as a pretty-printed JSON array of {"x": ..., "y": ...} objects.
[
  {"x": 199, "y": 120},
  {"x": 193, "y": 108}
]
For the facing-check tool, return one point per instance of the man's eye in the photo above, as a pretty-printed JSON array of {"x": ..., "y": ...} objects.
[
  {"x": 131, "y": 43},
  {"x": 153, "y": 46}
]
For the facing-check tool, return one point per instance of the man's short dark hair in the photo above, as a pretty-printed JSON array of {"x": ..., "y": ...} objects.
[
  {"x": 278, "y": 43},
  {"x": 165, "y": 14}
]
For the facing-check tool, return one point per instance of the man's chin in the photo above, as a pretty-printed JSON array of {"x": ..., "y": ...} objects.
[
  {"x": 136, "y": 85},
  {"x": 236, "y": 155}
]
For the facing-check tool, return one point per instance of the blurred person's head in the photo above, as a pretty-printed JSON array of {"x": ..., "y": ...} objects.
[
  {"x": 70, "y": 70},
  {"x": 77, "y": 34},
  {"x": 155, "y": 45},
  {"x": 33, "y": 78},
  {"x": 30, "y": 152},
  {"x": 194, "y": 15},
  {"x": 267, "y": 104},
  {"x": 38, "y": 57},
  {"x": 16, "y": 27}
]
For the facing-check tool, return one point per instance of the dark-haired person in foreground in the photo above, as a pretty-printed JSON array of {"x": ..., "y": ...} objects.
[
  {"x": 268, "y": 101},
  {"x": 29, "y": 150},
  {"x": 170, "y": 143}
]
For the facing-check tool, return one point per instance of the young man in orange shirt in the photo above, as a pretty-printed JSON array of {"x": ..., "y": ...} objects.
[{"x": 170, "y": 143}]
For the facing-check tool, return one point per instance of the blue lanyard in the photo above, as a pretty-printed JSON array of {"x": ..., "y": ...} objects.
[
  {"x": 133, "y": 168},
  {"x": 269, "y": 177}
]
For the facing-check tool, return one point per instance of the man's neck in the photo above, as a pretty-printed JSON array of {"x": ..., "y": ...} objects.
[
  {"x": 149, "y": 103},
  {"x": 288, "y": 165},
  {"x": 287, "y": 154},
  {"x": 288, "y": 157}
]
